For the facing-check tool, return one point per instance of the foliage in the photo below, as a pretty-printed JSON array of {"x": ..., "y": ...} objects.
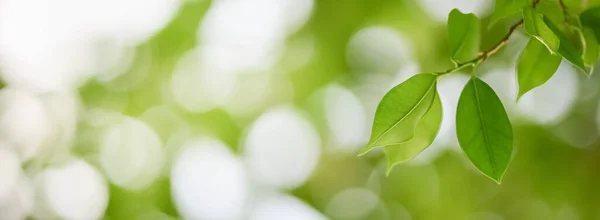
[{"x": 409, "y": 115}]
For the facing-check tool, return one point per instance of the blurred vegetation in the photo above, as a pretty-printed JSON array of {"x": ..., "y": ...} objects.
[{"x": 547, "y": 178}]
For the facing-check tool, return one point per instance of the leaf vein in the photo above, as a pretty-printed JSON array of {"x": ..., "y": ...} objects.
[
  {"x": 483, "y": 129},
  {"x": 405, "y": 116}
]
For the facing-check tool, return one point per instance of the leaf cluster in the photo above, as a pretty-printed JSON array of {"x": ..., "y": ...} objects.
[{"x": 409, "y": 116}]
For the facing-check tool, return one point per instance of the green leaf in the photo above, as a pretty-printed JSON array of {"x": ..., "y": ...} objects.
[
  {"x": 591, "y": 18},
  {"x": 425, "y": 133},
  {"x": 551, "y": 10},
  {"x": 483, "y": 129},
  {"x": 536, "y": 27},
  {"x": 590, "y": 54},
  {"x": 535, "y": 66},
  {"x": 567, "y": 48},
  {"x": 506, "y": 8},
  {"x": 463, "y": 35},
  {"x": 400, "y": 110}
]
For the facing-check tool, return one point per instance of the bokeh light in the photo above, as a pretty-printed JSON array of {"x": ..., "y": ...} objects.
[
  {"x": 283, "y": 207},
  {"x": 74, "y": 190},
  {"x": 209, "y": 182},
  {"x": 282, "y": 148},
  {"x": 24, "y": 122},
  {"x": 131, "y": 154}
]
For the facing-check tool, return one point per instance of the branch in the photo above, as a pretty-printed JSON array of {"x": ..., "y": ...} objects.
[
  {"x": 482, "y": 56},
  {"x": 564, "y": 9}
]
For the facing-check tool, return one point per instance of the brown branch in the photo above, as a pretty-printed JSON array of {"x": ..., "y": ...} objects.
[{"x": 502, "y": 43}]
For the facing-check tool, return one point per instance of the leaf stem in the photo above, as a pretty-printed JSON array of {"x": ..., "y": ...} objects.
[{"x": 482, "y": 56}]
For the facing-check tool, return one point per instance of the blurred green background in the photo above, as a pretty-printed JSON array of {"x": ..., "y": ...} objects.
[{"x": 289, "y": 88}]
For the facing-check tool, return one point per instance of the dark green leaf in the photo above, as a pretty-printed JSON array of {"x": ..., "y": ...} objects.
[
  {"x": 400, "y": 110},
  {"x": 535, "y": 66},
  {"x": 483, "y": 129},
  {"x": 590, "y": 54},
  {"x": 591, "y": 18},
  {"x": 463, "y": 35},
  {"x": 425, "y": 133},
  {"x": 536, "y": 27},
  {"x": 567, "y": 48},
  {"x": 506, "y": 8}
]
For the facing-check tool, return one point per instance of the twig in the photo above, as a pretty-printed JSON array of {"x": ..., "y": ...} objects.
[
  {"x": 482, "y": 56},
  {"x": 564, "y": 9}
]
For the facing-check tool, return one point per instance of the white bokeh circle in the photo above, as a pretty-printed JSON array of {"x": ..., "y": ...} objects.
[
  {"x": 439, "y": 10},
  {"x": 19, "y": 202},
  {"x": 10, "y": 172},
  {"x": 208, "y": 181},
  {"x": 352, "y": 203},
  {"x": 24, "y": 122},
  {"x": 378, "y": 49},
  {"x": 197, "y": 88},
  {"x": 283, "y": 207},
  {"x": 132, "y": 21},
  {"x": 346, "y": 119},
  {"x": 131, "y": 154},
  {"x": 282, "y": 148},
  {"x": 74, "y": 190}
]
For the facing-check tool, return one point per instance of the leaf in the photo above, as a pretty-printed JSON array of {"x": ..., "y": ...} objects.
[
  {"x": 591, "y": 18},
  {"x": 483, "y": 129},
  {"x": 463, "y": 35},
  {"x": 567, "y": 48},
  {"x": 425, "y": 133},
  {"x": 590, "y": 54},
  {"x": 506, "y": 8},
  {"x": 551, "y": 10},
  {"x": 535, "y": 66},
  {"x": 535, "y": 26},
  {"x": 400, "y": 110}
]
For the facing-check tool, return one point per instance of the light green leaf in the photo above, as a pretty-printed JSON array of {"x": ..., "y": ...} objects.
[
  {"x": 506, "y": 8},
  {"x": 400, "y": 110},
  {"x": 535, "y": 66},
  {"x": 551, "y": 9},
  {"x": 591, "y": 18},
  {"x": 463, "y": 35},
  {"x": 483, "y": 129},
  {"x": 536, "y": 27},
  {"x": 590, "y": 54},
  {"x": 425, "y": 133},
  {"x": 568, "y": 49}
]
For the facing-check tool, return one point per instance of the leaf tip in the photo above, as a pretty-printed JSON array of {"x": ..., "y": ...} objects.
[
  {"x": 588, "y": 71},
  {"x": 366, "y": 150},
  {"x": 520, "y": 94},
  {"x": 497, "y": 179},
  {"x": 455, "y": 10}
]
